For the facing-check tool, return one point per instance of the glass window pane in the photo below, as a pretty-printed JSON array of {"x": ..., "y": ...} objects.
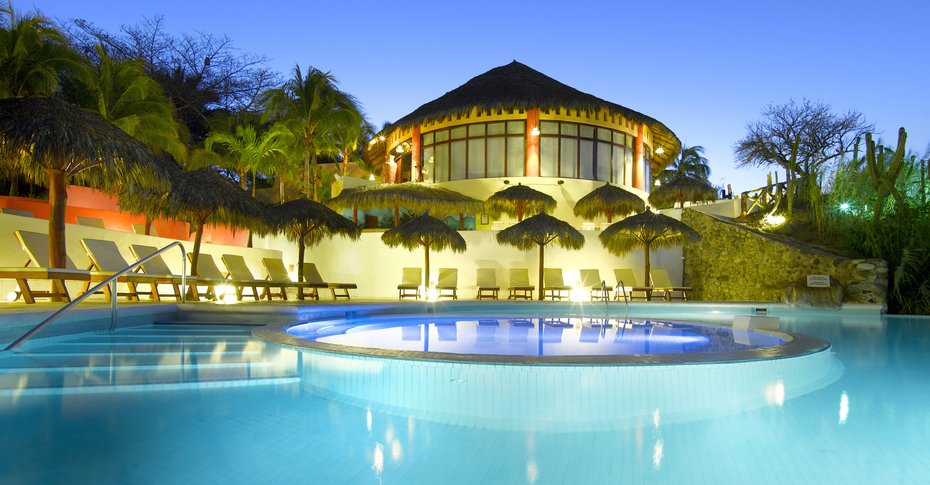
[
  {"x": 586, "y": 131},
  {"x": 586, "y": 160},
  {"x": 602, "y": 169},
  {"x": 549, "y": 127},
  {"x": 548, "y": 156},
  {"x": 429, "y": 162},
  {"x": 629, "y": 141},
  {"x": 442, "y": 135},
  {"x": 428, "y": 139},
  {"x": 459, "y": 132},
  {"x": 457, "y": 160},
  {"x": 570, "y": 129},
  {"x": 476, "y": 157},
  {"x": 569, "y": 157},
  {"x": 442, "y": 163},
  {"x": 476, "y": 130},
  {"x": 496, "y": 128},
  {"x": 496, "y": 154},
  {"x": 616, "y": 162},
  {"x": 603, "y": 134},
  {"x": 619, "y": 138},
  {"x": 516, "y": 127},
  {"x": 628, "y": 163},
  {"x": 516, "y": 156}
]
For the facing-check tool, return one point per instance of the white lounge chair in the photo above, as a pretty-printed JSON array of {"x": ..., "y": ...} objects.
[
  {"x": 448, "y": 283},
  {"x": 409, "y": 286},
  {"x": 339, "y": 290},
  {"x": 487, "y": 284},
  {"x": 662, "y": 283},
  {"x": 554, "y": 286},
  {"x": 520, "y": 287}
]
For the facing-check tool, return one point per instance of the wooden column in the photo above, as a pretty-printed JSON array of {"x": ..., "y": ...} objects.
[
  {"x": 532, "y": 143},
  {"x": 639, "y": 165},
  {"x": 415, "y": 162}
]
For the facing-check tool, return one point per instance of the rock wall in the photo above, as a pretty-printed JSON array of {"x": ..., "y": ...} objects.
[{"x": 735, "y": 263}]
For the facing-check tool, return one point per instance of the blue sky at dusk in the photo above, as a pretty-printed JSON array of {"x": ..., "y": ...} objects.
[{"x": 704, "y": 69}]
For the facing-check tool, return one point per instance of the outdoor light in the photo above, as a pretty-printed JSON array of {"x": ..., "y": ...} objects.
[
  {"x": 12, "y": 296},
  {"x": 400, "y": 149},
  {"x": 381, "y": 138},
  {"x": 660, "y": 151},
  {"x": 535, "y": 131},
  {"x": 506, "y": 182},
  {"x": 371, "y": 176},
  {"x": 560, "y": 182},
  {"x": 844, "y": 206}
]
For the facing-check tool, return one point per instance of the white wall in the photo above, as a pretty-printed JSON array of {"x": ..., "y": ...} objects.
[{"x": 377, "y": 268}]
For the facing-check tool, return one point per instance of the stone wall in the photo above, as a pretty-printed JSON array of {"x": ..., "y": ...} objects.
[{"x": 735, "y": 263}]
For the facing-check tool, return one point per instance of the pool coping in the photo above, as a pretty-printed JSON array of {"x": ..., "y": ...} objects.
[{"x": 797, "y": 345}]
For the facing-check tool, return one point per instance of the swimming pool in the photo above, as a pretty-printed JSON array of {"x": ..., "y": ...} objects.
[{"x": 234, "y": 409}]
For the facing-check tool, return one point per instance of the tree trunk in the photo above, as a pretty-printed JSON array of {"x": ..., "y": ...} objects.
[
  {"x": 646, "y": 263},
  {"x": 57, "y": 201},
  {"x": 313, "y": 180},
  {"x": 519, "y": 212},
  {"x": 396, "y": 215},
  {"x": 542, "y": 259},
  {"x": 243, "y": 182},
  {"x": 280, "y": 189},
  {"x": 307, "y": 176},
  {"x": 426, "y": 263},
  {"x": 195, "y": 254},
  {"x": 148, "y": 225},
  {"x": 610, "y": 216},
  {"x": 461, "y": 221}
]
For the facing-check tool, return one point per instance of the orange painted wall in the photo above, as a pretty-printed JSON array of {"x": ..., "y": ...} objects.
[
  {"x": 532, "y": 143},
  {"x": 86, "y": 202}
]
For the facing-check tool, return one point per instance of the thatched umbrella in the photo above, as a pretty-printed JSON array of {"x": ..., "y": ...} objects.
[
  {"x": 416, "y": 197},
  {"x": 426, "y": 231},
  {"x": 646, "y": 230},
  {"x": 306, "y": 221},
  {"x": 680, "y": 189},
  {"x": 205, "y": 196},
  {"x": 541, "y": 230},
  {"x": 608, "y": 200},
  {"x": 53, "y": 143},
  {"x": 517, "y": 201}
]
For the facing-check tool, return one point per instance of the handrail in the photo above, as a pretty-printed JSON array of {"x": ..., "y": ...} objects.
[
  {"x": 626, "y": 300},
  {"x": 111, "y": 280}
]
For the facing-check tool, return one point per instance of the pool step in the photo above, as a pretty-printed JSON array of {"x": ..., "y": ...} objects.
[{"x": 145, "y": 358}]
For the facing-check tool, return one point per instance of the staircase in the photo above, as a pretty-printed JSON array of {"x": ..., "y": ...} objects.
[{"x": 165, "y": 356}]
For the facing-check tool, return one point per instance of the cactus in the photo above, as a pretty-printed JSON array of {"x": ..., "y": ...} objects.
[{"x": 884, "y": 172}]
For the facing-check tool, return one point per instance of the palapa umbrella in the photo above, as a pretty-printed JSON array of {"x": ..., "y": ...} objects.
[
  {"x": 414, "y": 196},
  {"x": 306, "y": 222},
  {"x": 541, "y": 230},
  {"x": 426, "y": 231},
  {"x": 680, "y": 189},
  {"x": 517, "y": 201},
  {"x": 646, "y": 230},
  {"x": 610, "y": 201},
  {"x": 206, "y": 196},
  {"x": 53, "y": 143}
]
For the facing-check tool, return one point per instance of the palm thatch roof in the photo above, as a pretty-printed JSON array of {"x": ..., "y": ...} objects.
[
  {"x": 540, "y": 230},
  {"x": 681, "y": 189},
  {"x": 656, "y": 230},
  {"x": 206, "y": 195},
  {"x": 427, "y": 231},
  {"x": 304, "y": 217},
  {"x": 416, "y": 197},
  {"x": 518, "y": 201},
  {"x": 40, "y": 133},
  {"x": 517, "y": 86},
  {"x": 608, "y": 200}
]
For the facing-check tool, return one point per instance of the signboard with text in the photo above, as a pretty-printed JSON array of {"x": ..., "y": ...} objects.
[{"x": 818, "y": 281}]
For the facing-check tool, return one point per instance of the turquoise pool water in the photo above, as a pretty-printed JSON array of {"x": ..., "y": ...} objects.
[{"x": 179, "y": 404}]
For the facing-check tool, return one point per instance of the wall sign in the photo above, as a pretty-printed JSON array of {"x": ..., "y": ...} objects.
[{"x": 818, "y": 281}]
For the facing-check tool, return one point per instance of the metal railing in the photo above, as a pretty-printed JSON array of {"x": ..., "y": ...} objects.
[
  {"x": 626, "y": 301},
  {"x": 112, "y": 280}
]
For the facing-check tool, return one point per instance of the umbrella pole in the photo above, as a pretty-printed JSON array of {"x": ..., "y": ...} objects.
[
  {"x": 57, "y": 201},
  {"x": 646, "y": 262},
  {"x": 461, "y": 221},
  {"x": 396, "y": 214},
  {"x": 426, "y": 273},
  {"x": 198, "y": 235},
  {"x": 355, "y": 214},
  {"x": 300, "y": 266},
  {"x": 542, "y": 257}
]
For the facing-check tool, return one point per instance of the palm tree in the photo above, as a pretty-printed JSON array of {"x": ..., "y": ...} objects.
[
  {"x": 347, "y": 138},
  {"x": 313, "y": 107},
  {"x": 249, "y": 151},
  {"x": 124, "y": 95},
  {"x": 690, "y": 163},
  {"x": 33, "y": 55}
]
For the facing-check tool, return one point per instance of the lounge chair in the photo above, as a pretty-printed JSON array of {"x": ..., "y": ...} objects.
[
  {"x": 520, "y": 287},
  {"x": 239, "y": 271},
  {"x": 591, "y": 279},
  {"x": 90, "y": 222},
  {"x": 16, "y": 212},
  {"x": 157, "y": 266},
  {"x": 35, "y": 245},
  {"x": 105, "y": 258},
  {"x": 409, "y": 286},
  {"x": 554, "y": 286},
  {"x": 631, "y": 288},
  {"x": 448, "y": 283},
  {"x": 312, "y": 275},
  {"x": 209, "y": 271},
  {"x": 277, "y": 272},
  {"x": 140, "y": 229},
  {"x": 663, "y": 284},
  {"x": 487, "y": 284}
]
